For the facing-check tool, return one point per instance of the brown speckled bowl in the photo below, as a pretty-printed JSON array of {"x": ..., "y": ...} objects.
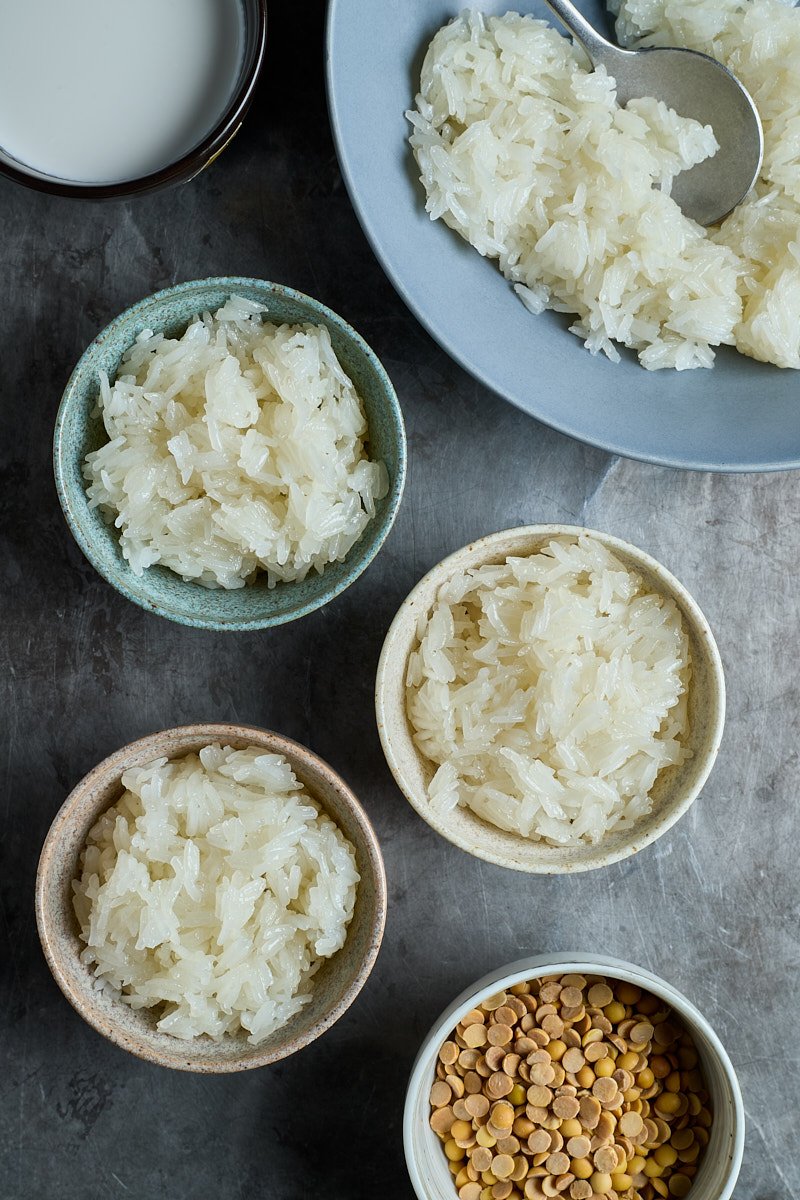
[
  {"x": 675, "y": 788},
  {"x": 336, "y": 984}
]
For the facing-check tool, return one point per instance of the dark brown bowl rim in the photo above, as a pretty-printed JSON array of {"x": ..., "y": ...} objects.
[
  {"x": 182, "y": 1059},
  {"x": 192, "y": 163}
]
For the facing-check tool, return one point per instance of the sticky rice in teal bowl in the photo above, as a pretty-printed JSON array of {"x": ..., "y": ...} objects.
[{"x": 80, "y": 431}]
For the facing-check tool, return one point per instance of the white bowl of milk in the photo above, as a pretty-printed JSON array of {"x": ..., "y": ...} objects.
[{"x": 106, "y": 98}]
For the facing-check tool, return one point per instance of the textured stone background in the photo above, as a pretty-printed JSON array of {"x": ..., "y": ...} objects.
[{"x": 713, "y": 906}]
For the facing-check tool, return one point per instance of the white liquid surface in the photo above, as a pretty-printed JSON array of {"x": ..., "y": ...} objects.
[{"x": 103, "y": 91}]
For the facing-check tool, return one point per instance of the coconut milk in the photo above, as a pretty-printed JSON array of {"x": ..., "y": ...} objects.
[{"x": 104, "y": 91}]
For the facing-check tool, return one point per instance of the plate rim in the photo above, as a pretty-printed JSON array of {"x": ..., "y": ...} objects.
[{"x": 462, "y": 357}]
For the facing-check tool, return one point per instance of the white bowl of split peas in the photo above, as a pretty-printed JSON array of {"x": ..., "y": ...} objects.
[{"x": 697, "y": 1111}]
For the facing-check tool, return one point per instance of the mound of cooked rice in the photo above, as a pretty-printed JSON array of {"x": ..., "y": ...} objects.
[
  {"x": 234, "y": 449},
  {"x": 550, "y": 691},
  {"x": 213, "y": 890},
  {"x": 760, "y": 41},
  {"x": 527, "y": 155}
]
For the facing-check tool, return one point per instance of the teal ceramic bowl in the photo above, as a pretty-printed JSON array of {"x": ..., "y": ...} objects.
[{"x": 160, "y": 590}]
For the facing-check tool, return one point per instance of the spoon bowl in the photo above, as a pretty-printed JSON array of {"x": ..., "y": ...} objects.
[
  {"x": 698, "y": 86},
  {"x": 694, "y": 85}
]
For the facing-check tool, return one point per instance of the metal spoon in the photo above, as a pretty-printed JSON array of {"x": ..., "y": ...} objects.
[{"x": 695, "y": 85}]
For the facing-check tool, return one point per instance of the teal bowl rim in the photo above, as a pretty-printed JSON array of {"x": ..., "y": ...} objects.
[{"x": 371, "y": 540}]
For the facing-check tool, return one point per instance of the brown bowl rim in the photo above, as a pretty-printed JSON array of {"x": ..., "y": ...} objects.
[{"x": 182, "y": 1058}]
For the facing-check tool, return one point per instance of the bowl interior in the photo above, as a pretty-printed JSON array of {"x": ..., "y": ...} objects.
[
  {"x": 701, "y": 419},
  {"x": 209, "y": 146},
  {"x": 338, "y": 980},
  {"x": 717, "y": 1175},
  {"x": 675, "y": 787},
  {"x": 160, "y": 590}
]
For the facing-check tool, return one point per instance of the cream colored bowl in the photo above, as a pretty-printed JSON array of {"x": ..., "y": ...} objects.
[
  {"x": 722, "y": 1160},
  {"x": 675, "y": 787},
  {"x": 336, "y": 984}
]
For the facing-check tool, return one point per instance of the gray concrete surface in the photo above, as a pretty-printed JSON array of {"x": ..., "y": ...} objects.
[{"x": 713, "y": 906}]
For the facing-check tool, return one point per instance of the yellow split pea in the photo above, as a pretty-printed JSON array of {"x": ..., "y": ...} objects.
[{"x": 575, "y": 1087}]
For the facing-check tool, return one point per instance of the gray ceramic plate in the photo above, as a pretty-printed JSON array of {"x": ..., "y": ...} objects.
[{"x": 742, "y": 416}]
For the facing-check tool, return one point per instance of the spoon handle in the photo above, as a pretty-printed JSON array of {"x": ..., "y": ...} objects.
[{"x": 596, "y": 46}]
